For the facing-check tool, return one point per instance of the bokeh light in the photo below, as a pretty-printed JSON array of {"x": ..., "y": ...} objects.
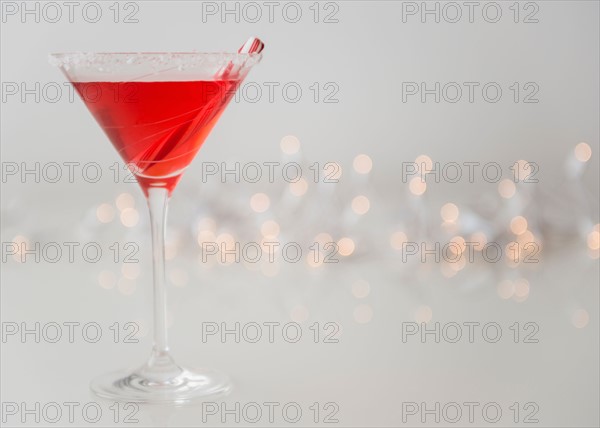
[
  {"x": 479, "y": 239},
  {"x": 506, "y": 289},
  {"x": 130, "y": 217},
  {"x": 205, "y": 237},
  {"x": 417, "y": 186},
  {"x": 521, "y": 288},
  {"x": 299, "y": 188},
  {"x": 259, "y": 202},
  {"x": 130, "y": 270},
  {"x": 346, "y": 246},
  {"x": 107, "y": 279},
  {"x": 447, "y": 270},
  {"x": 507, "y": 188},
  {"x": 424, "y": 164},
  {"x": 449, "y": 212},
  {"x": 105, "y": 213},
  {"x": 361, "y": 205},
  {"x": 333, "y": 171},
  {"x": 270, "y": 229},
  {"x": 290, "y": 145},
  {"x": 580, "y": 318},
  {"x": 593, "y": 240},
  {"x": 518, "y": 225},
  {"x": 397, "y": 240},
  {"x": 457, "y": 245},
  {"x": 323, "y": 238},
  {"x": 423, "y": 314},
  {"x": 583, "y": 152},
  {"x": 523, "y": 170},
  {"x": 124, "y": 201},
  {"x": 362, "y": 164},
  {"x": 20, "y": 241}
]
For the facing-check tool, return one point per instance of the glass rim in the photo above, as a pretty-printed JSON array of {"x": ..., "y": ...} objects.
[
  {"x": 81, "y": 58},
  {"x": 82, "y": 66},
  {"x": 70, "y": 57},
  {"x": 88, "y": 53},
  {"x": 190, "y": 58}
]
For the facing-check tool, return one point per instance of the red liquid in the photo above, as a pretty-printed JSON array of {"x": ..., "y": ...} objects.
[{"x": 157, "y": 127}]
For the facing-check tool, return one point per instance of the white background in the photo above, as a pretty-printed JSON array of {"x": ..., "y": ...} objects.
[{"x": 368, "y": 54}]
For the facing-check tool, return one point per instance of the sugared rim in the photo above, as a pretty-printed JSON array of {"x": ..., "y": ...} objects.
[
  {"x": 148, "y": 53},
  {"x": 71, "y": 58}
]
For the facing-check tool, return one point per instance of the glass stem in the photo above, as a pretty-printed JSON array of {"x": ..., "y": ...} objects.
[{"x": 158, "y": 199}]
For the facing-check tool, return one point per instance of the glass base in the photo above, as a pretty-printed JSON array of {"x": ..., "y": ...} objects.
[{"x": 161, "y": 381}]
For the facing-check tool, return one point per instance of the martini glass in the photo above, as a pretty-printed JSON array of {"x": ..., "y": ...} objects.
[{"x": 157, "y": 109}]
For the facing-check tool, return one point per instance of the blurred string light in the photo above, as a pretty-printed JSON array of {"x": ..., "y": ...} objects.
[
  {"x": 362, "y": 164},
  {"x": 298, "y": 188},
  {"x": 580, "y": 318},
  {"x": 398, "y": 239},
  {"x": 130, "y": 270},
  {"x": 124, "y": 201},
  {"x": 518, "y": 225},
  {"x": 593, "y": 239},
  {"x": 511, "y": 222},
  {"x": 205, "y": 237},
  {"x": 346, "y": 246},
  {"x": 449, "y": 213},
  {"x": 361, "y": 205},
  {"x": 259, "y": 202},
  {"x": 523, "y": 170},
  {"x": 290, "y": 145},
  {"x": 457, "y": 245},
  {"x": 314, "y": 262},
  {"x": 479, "y": 240},
  {"x": 105, "y": 213},
  {"x": 107, "y": 279},
  {"x": 506, "y": 289},
  {"x": 576, "y": 162},
  {"x": 583, "y": 152},
  {"x": 458, "y": 265},
  {"x": 423, "y": 314},
  {"x": 517, "y": 290},
  {"x": 130, "y": 217},
  {"x": 417, "y": 186},
  {"x": 424, "y": 164},
  {"x": 507, "y": 188},
  {"x": 521, "y": 290},
  {"x": 20, "y": 241},
  {"x": 447, "y": 270},
  {"x": 270, "y": 229},
  {"x": 593, "y": 242},
  {"x": 334, "y": 171},
  {"x": 323, "y": 238}
]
